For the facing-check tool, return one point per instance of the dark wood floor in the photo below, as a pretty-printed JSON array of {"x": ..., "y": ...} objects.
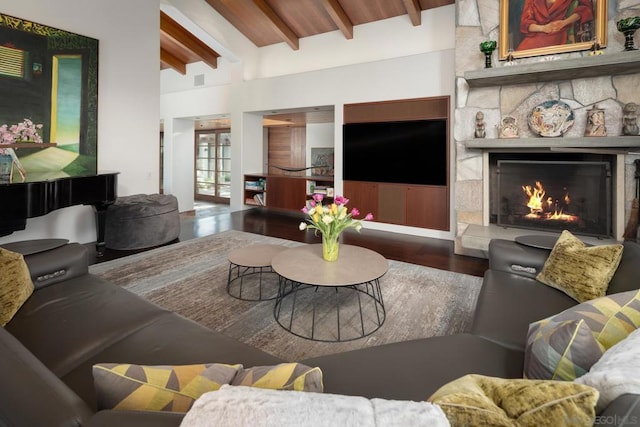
[{"x": 425, "y": 251}]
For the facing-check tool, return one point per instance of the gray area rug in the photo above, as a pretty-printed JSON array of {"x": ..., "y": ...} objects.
[{"x": 190, "y": 278}]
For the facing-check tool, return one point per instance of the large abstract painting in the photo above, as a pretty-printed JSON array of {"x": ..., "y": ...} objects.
[{"x": 48, "y": 101}]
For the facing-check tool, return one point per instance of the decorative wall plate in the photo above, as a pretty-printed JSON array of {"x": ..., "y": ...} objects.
[{"x": 551, "y": 118}]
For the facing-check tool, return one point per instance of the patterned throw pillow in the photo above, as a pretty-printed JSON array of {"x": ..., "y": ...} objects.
[
  {"x": 285, "y": 376},
  {"x": 15, "y": 284},
  {"x": 565, "y": 346},
  {"x": 617, "y": 372},
  {"x": 477, "y": 400},
  {"x": 582, "y": 272},
  {"x": 157, "y": 388}
]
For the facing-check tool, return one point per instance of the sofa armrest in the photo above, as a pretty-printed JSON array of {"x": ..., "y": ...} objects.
[
  {"x": 31, "y": 395},
  {"x": 624, "y": 411},
  {"x": 512, "y": 257},
  {"x": 57, "y": 265},
  {"x": 509, "y": 302}
]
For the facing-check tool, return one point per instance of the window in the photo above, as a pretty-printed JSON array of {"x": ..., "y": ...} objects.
[
  {"x": 12, "y": 62},
  {"x": 213, "y": 166}
]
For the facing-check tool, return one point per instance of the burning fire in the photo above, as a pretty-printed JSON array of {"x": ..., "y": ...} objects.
[{"x": 548, "y": 209}]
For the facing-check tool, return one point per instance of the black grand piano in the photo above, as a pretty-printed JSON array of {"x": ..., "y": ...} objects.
[{"x": 29, "y": 199}]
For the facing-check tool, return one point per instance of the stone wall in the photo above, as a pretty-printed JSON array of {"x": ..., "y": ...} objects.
[{"x": 477, "y": 21}]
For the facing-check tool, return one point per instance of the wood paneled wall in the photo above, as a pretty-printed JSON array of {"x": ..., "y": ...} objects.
[
  {"x": 400, "y": 110},
  {"x": 287, "y": 148},
  {"x": 425, "y": 206}
]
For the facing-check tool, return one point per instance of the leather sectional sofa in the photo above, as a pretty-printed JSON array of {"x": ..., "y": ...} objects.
[{"x": 74, "y": 320}]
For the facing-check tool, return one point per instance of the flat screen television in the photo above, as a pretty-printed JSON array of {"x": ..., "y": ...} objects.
[{"x": 406, "y": 152}]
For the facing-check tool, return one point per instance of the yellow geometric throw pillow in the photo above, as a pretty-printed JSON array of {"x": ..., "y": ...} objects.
[
  {"x": 15, "y": 284},
  {"x": 582, "y": 272},
  {"x": 566, "y": 345},
  {"x": 157, "y": 388},
  {"x": 285, "y": 376},
  {"x": 477, "y": 400}
]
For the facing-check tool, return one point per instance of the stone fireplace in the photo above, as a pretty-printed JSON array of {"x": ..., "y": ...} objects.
[
  {"x": 608, "y": 81},
  {"x": 552, "y": 192}
]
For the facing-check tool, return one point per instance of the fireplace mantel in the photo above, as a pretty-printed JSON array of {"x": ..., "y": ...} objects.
[
  {"x": 618, "y": 143},
  {"x": 562, "y": 69}
]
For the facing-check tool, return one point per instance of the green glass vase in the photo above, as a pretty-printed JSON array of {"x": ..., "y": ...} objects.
[
  {"x": 330, "y": 247},
  {"x": 487, "y": 48},
  {"x": 628, "y": 27}
]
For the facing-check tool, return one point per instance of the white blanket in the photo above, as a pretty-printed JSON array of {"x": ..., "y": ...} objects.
[{"x": 238, "y": 406}]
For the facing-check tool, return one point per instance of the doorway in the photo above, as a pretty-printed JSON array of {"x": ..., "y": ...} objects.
[{"x": 213, "y": 166}]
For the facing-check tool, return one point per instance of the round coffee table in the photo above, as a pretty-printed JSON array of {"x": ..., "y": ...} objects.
[
  {"x": 250, "y": 275},
  {"x": 330, "y": 301}
]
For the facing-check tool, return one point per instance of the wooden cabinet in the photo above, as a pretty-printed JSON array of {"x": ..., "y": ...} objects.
[
  {"x": 428, "y": 207},
  {"x": 425, "y": 206},
  {"x": 284, "y": 192},
  {"x": 362, "y": 195}
]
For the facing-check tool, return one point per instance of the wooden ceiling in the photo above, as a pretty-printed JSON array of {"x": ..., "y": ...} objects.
[
  {"x": 179, "y": 47},
  {"x": 268, "y": 22}
]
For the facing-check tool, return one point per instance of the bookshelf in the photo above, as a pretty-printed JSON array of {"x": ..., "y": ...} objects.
[
  {"x": 255, "y": 187},
  {"x": 285, "y": 192}
]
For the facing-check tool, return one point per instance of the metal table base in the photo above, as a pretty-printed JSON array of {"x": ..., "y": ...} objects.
[{"x": 330, "y": 313}]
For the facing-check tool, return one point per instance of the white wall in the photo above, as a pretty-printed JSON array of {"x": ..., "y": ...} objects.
[
  {"x": 391, "y": 60},
  {"x": 423, "y": 75},
  {"x": 378, "y": 40},
  {"x": 128, "y": 98}
]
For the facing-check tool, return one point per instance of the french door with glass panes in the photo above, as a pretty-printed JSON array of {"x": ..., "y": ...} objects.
[{"x": 213, "y": 166}]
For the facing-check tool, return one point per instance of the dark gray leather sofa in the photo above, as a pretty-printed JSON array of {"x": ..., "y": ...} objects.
[{"x": 75, "y": 320}]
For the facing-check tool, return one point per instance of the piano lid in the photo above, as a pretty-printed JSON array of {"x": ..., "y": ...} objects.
[{"x": 29, "y": 199}]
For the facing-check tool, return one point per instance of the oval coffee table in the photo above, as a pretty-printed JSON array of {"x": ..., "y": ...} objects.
[{"x": 329, "y": 301}]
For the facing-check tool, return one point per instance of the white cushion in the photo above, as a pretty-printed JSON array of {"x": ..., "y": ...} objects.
[
  {"x": 239, "y": 406},
  {"x": 617, "y": 372}
]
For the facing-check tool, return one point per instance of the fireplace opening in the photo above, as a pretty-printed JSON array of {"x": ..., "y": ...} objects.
[{"x": 554, "y": 194}]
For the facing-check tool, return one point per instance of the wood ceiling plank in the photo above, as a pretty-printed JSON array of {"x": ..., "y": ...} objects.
[
  {"x": 365, "y": 11},
  {"x": 248, "y": 19},
  {"x": 430, "y": 4},
  {"x": 170, "y": 61},
  {"x": 189, "y": 42},
  {"x": 339, "y": 16},
  {"x": 413, "y": 9},
  {"x": 304, "y": 17},
  {"x": 267, "y": 22},
  {"x": 279, "y": 25}
]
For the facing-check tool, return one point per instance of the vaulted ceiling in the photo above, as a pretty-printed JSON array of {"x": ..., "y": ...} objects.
[{"x": 268, "y": 22}]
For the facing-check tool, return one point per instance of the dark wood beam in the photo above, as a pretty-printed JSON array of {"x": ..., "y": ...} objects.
[
  {"x": 413, "y": 9},
  {"x": 339, "y": 17},
  {"x": 278, "y": 24},
  {"x": 190, "y": 42},
  {"x": 170, "y": 61}
]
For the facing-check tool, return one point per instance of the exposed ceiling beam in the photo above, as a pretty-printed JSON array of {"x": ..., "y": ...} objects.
[
  {"x": 278, "y": 24},
  {"x": 339, "y": 16},
  {"x": 167, "y": 60},
  {"x": 188, "y": 41},
  {"x": 413, "y": 9}
]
